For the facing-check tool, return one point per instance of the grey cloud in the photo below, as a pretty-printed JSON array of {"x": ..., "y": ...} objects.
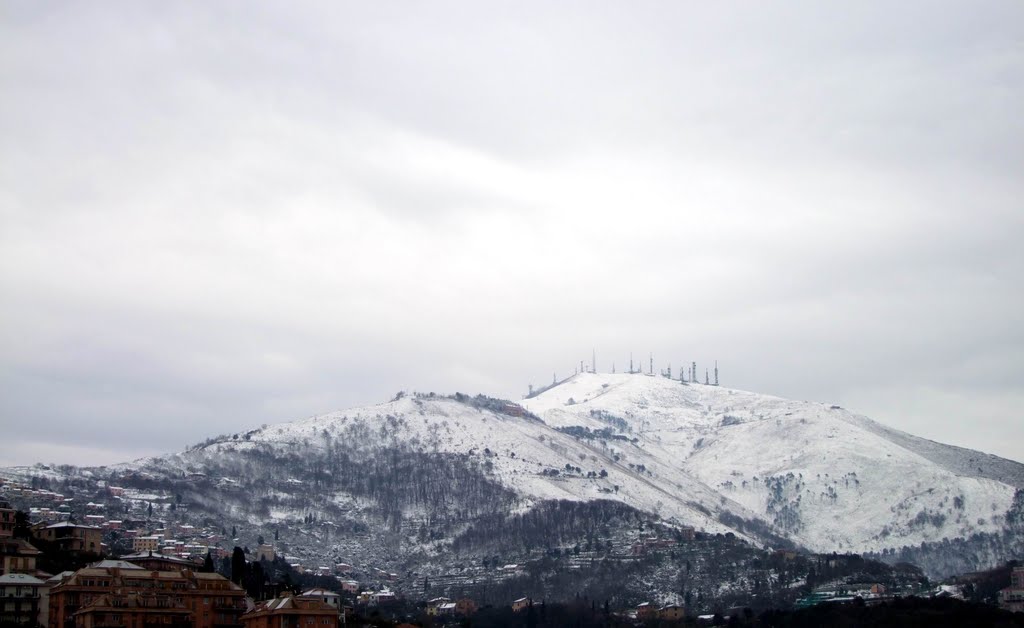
[{"x": 216, "y": 216}]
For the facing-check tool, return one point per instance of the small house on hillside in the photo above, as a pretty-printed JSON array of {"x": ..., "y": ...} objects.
[
  {"x": 1012, "y": 597},
  {"x": 646, "y": 611}
]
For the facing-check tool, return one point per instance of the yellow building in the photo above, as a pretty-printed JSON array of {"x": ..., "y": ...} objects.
[{"x": 146, "y": 543}]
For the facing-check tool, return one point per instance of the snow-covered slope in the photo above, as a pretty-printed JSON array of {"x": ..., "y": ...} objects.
[
  {"x": 826, "y": 478},
  {"x": 526, "y": 455}
]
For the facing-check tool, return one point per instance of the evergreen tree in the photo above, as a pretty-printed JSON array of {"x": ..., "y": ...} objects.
[
  {"x": 22, "y": 530},
  {"x": 254, "y": 580},
  {"x": 208, "y": 564},
  {"x": 238, "y": 565}
]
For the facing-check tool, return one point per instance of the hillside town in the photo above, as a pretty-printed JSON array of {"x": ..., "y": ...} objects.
[{"x": 122, "y": 557}]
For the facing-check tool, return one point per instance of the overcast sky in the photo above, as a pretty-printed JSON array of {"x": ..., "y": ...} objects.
[{"x": 215, "y": 215}]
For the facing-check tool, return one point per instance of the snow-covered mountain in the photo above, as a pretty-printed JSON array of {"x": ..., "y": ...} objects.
[
  {"x": 427, "y": 475},
  {"x": 703, "y": 456}
]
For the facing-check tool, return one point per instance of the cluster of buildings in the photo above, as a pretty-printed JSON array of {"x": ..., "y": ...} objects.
[
  {"x": 47, "y": 504},
  {"x": 648, "y": 544},
  {"x": 151, "y": 589},
  {"x": 148, "y": 534},
  {"x": 182, "y": 541},
  {"x": 164, "y": 592},
  {"x": 870, "y": 592},
  {"x": 120, "y": 593}
]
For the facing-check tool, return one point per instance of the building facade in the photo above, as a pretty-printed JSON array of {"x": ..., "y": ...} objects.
[
  {"x": 6, "y": 520},
  {"x": 20, "y": 599}
]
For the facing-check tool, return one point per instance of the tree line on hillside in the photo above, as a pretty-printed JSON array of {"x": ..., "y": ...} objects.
[{"x": 549, "y": 523}]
